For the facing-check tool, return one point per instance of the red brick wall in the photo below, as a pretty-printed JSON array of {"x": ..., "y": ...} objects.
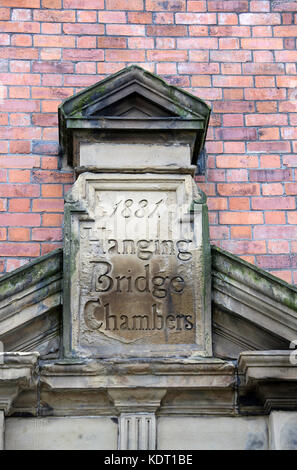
[{"x": 240, "y": 56}]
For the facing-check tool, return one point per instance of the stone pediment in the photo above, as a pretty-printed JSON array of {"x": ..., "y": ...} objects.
[
  {"x": 133, "y": 100},
  {"x": 251, "y": 309}
]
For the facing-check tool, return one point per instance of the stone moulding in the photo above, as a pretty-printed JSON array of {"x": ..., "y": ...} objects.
[
  {"x": 271, "y": 376},
  {"x": 133, "y": 100},
  {"x": 27, "y": 295},
  {"x": 263, "y": 308},
  {"x": 17, "y": 372}
]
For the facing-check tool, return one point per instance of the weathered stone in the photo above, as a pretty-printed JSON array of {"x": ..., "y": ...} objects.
[
  {"x": 283, "y": 430},
  {"x": 88, "y": 433},
  {"x": 136, "y": 268},
  {"x": 212, "y": 433}
]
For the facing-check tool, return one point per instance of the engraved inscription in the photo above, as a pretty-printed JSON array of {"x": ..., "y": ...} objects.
[{"x": 138, "y": 269}]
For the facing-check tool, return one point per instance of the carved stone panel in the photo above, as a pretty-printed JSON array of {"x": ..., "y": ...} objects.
[{"x": 136, "y": 267}]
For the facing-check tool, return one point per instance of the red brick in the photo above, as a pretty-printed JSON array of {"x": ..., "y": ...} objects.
[
  {"x": 195, "y": 18},
  {"x": 52, "y": 220},
  {"x": 241, "y": 218},
  {"x": 5, "y": 14},
  {"x": 262, "y": 31},
  {"x": 263, "y": 56},
  {"x": 275, "y": 217},
  {"x": 14, "y": 79},
  {"x": 285, "y": 31},
  {"x": 274, "y": 261},
  {"x": 266, "y": 119},
  {"x": 228, "y": 43},
  {"x": 227, "y": 19},
  {"x": 53, "y": 41},
  {"x": 21, "y": 40},
  {"x": 268, "y": 147},
  {"x": 139, "y": 17},
  {"x": 162, "y": 30},
  {"x": 231, "y": 133},
  {"x": 82, "y": 4},
  {"x": 198, "y": 68},
  {"x": 263, "y": 69},
  {"x": 284, "y": 275},
  {"x": 48, "y": 247},
  {"x": 52, "y": 190},
  {"x": 273, "y": 203},
  {"x": 289, "y": 132},
  {"x": 51, "y": 3},
  {"x": 83, "y": 28},
  {"x": 48, "y": 205},
  {"x": 269, "y": 133},
  {"x": 199, "y": 56},
  {"x": 234, "y": 147},
  {"x": 237, "y": 175},
  {"x": 244, "y": 247},
  {"x": 19, "y": 205},
  {"x": 19, "y": 27},
  {"x": 160, "y": 5},
  {"x": 55, "y": 16},
  {"x": 232, "y": 81},
  {"x": 19, "y": 92},
  {"x": 124, "y": 5},
  {"x": 18, "y": 53},
  {"x": 228, "y": 5},
  {"x": 230, "y": 56},
  {"x": 253, "y": 19},
  {"x": 196, "y": 5},
  {"x": 264, "y": 94},
  {"x": 273, "y": 232},
  {"x": 292, "y": 217},
  {"x": 290, "y": 160},
  {"x": 285, "y": 56},
  {"x": 198, "y": 30},
  {"x": 19, "y": 249},
  {"x": 262, "y": 43},
  {"x": 236, "y": 31},
  {"x": 233, "y": 93},
  {"x": 219, "y": 233},
  {"x": 113, "y": 43},
  {"x": 260, "y": 5},
  {"x": 201, "y": 80},
  {"x": 140, "y": 43},
  {"x": 126, "y": 30},
  {"x": 217, "y": 203},
  {"x": 47, "y": 234},
  {"x": 273, "y": 189},
  {"x": 291, "y": 188},
  {"x": 167, "y": 56},
  {"x": 266, "y": 106},
  {"x": 237, "y": 161},
  {"x": 126, "y": 55},
  {"x": 19, "y": 234},
  {"x": 281, "y": 5},
  {"x": 190, "y": 43},
  {"x": 51, "y": 28},
  {"x": 26, "y": 220},
  {"x": 239, "y": 203},
  {"x": 238, "y": 189},
  {"x": 163, "y": 18},
  {"x": 243, "y": 232},
  {"x": 43, "y": 176},
  {"x": 19, "y": 176}
]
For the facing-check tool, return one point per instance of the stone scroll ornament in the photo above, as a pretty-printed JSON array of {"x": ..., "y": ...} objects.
[{"x": 137, "y": 263}]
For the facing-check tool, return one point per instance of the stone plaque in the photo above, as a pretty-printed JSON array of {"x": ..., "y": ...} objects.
[{"x": 137, "y": 267}]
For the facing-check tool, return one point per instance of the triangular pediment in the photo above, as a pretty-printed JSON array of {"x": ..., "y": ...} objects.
[
  {"x": 134, "y": 100},
  {"x": 103, "y": 98}
]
